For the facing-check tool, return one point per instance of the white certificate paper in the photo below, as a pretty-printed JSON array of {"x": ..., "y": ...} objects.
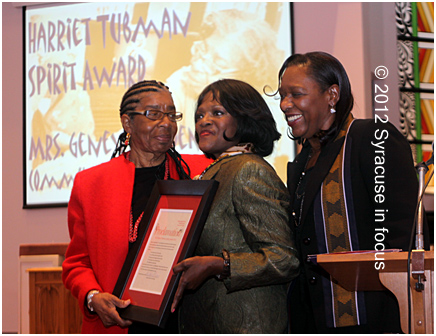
[{"x": 161, "y": 250}]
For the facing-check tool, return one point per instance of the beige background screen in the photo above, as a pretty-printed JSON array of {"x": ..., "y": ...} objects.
[{"x": 81, "y": 58}]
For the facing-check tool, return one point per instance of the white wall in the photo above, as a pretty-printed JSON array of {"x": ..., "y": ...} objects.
[
  {"x": 18, "y": 226},
  {"x": 362, "y": 36},
  {"x": 335, "y": 28},
  {"x": 338, "y": 28}
]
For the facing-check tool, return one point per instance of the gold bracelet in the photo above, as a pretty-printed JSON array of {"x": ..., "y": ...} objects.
[{"x": 226, "y": 270}]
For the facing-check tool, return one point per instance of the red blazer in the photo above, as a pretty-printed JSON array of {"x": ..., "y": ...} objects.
[{"x": 98, "y": 217}]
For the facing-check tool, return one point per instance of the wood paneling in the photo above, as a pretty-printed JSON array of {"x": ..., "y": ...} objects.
[
  {"x": 53, "y": 310},
  {"x": 41, "y": 249},
  {"x": 356, "y": 271}
]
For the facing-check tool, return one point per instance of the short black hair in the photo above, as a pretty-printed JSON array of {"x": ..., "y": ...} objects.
[
  {"x": 326, "y": 70},
  {"x": 255, "y": 121}
]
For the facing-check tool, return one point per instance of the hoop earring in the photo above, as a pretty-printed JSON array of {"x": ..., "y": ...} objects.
[
  {"x": 289, "y": 133},
  {"x": 332, "y": 110},
  {"x": 127, "y": 141}
]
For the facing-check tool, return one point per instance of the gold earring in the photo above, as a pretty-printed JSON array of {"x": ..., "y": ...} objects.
[{"x": 127, "y": 142}]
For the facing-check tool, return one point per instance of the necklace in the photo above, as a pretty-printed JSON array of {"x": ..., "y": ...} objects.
[
  {"x": 300, "y": 194},
  {"x": 133, "y": 228},
  {"x": 236, "y": 150},
  {"x": 222, "y": 157}
]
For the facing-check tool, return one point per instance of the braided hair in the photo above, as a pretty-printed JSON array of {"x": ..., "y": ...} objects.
[{"x": 128, "y": 103}]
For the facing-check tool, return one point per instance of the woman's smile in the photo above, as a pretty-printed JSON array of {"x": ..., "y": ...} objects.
[
  {"x": 293, "y": 118},
  {"x": 305, "y": 105},
  {"x": 206, "y": 133}
]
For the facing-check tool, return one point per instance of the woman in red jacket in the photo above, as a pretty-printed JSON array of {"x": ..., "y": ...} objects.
[{"x": 107, "y": 202}]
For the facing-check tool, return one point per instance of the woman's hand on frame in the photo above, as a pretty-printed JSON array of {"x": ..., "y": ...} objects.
[
  {"x": 105, "y": 305},
  {"x": 195, "y": 271}
]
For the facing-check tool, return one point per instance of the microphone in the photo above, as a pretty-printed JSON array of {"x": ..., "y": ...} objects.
[
  {"x": 423, "y": 166},
  {"x": 422, "y": 169}
]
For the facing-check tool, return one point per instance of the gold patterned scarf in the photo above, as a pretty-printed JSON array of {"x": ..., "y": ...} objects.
[{"x": 343, "y": 309}]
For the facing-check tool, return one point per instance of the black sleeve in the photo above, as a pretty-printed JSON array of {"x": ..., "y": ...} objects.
[{"x": 387, "y": 168}]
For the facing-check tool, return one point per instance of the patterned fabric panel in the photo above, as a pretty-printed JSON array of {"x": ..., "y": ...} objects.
[{"x": 415, "y": 48}]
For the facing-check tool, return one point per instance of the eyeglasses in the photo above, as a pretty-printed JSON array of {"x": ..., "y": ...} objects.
[{"x": 159, "y": 115}]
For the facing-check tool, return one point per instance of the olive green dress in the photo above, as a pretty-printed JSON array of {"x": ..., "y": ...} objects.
[{"x": 249, "y": 218}]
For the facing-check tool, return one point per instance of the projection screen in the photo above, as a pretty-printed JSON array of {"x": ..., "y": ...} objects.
[{"x": 81, "y": 58}]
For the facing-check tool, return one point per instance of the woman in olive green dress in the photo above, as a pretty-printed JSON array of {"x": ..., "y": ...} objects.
[{"x": 237, "y": 280}]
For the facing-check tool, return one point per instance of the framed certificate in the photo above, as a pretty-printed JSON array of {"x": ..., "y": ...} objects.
[{"x": 168, "y": 233}]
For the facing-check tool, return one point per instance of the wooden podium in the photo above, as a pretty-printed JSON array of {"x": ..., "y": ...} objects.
[
  {"x": 357, "y": 271},
  {"x": 52, "y": 309}
]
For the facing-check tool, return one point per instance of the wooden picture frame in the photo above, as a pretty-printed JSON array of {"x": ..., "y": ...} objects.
[{"x": 169, "y": 232}]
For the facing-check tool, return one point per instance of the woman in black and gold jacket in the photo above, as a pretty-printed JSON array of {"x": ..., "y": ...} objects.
[{"x": 353, "y": 187}]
